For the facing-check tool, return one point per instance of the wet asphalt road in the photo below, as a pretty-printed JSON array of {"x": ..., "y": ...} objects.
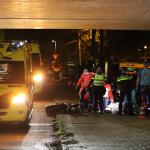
[
  {"x": 40, "y": 128},
  {"x": 90, "y": 131},
  {"x": 33, "y": 138}
]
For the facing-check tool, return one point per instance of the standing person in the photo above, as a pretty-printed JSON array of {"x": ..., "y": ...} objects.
[
  {"x": 90, "y": 64},
  {"x": 84, "y": 83},
  {"x": 113, "y": 70},
  {"x": 98, "y": 89},
  {"x": 143, "y": 83},
  {"x": 125, "y": 86}
]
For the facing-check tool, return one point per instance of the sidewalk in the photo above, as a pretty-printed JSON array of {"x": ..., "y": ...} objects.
[{"x": 106, "y": 132}]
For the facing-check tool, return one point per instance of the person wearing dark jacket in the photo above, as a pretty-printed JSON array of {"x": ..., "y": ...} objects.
[
  {"x": 113, "y": 70},
  {"x": 125, "y": 86}
]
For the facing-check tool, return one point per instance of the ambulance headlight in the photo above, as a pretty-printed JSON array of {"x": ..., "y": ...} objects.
[
  {"x": 38, "y": 77},
  {"x": 19, "y": 99}
]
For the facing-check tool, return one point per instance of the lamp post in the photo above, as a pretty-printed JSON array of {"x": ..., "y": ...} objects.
[
  {"x": 53, "y": 41},
  {"x": 79, "y": 46},
  {"x": 145, "y": 47}
]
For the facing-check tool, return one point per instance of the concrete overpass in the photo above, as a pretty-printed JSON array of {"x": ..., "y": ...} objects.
[{"x": 75, "y": 14}]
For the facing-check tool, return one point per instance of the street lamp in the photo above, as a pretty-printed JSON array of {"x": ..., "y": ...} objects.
[{"x": 53, "y": 41}]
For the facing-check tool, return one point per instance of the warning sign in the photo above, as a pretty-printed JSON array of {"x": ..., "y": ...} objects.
[{"x": 55, "y": 56}]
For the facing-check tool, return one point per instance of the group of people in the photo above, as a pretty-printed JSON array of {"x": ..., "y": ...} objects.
[
  {"x": 93, "y": 84},
  {"x": 93, "y": 88}
]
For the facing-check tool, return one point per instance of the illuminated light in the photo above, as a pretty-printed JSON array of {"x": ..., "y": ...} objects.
[
  {"x": 17, "y": 45},
  {"x": 145, "y": 46},
  {"x": 21, "y": 43},
  {"x": 38, "y": 77},
  {"x": 19, "y": 99}
]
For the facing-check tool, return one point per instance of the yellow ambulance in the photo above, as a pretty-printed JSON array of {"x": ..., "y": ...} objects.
[
  {"x": 16, "y": 86},
  {"x": 37, "y": 72}
]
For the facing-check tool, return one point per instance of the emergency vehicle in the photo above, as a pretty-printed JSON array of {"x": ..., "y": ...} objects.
[
  {"x": 37, "y": 73},
  {"x": 138, "y": 64},
  {"x": 16, "y": 86}
]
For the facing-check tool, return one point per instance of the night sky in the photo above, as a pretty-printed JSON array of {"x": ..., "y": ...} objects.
[
  {"x": 121, "y": 37},
  {"x": 121, "y": 42}
]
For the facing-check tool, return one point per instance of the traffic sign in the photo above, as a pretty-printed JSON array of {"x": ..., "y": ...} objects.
[{"x": 55, "y": 56}]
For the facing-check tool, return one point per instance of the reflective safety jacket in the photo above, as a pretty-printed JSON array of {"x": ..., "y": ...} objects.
[
  {"x": 125, "y": 82},
  {"x": 98, "y": 80},
  {"x": 124, "y": 78},
  {"x": 84, "y": 80}
]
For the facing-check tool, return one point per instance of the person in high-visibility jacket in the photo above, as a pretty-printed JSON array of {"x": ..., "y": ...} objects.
[
  {"x": 125, "y": 86},
  {"x": 84, "y": 82},
  {"x": 98, "y": 89}
]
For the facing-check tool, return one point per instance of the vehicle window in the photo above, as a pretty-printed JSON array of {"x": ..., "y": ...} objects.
[
  {"x": 11, "y": 48},
  {"x": 12, "y": 72},
  {"x": 35, "y": 60}
]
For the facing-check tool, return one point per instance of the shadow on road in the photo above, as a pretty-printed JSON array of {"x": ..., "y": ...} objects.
[
  {"x": 58, "y": 91},
  {"x": 13, "y": 128}
]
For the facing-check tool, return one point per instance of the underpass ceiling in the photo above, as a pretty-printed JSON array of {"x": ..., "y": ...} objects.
[{"x": 75, "y": 14}]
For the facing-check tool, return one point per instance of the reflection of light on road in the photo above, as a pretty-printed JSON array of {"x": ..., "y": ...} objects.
[
  {"x": 40, "y": 124},
  {"x": 38, "y": 134},
  {"x": 38, "y": 130}
]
